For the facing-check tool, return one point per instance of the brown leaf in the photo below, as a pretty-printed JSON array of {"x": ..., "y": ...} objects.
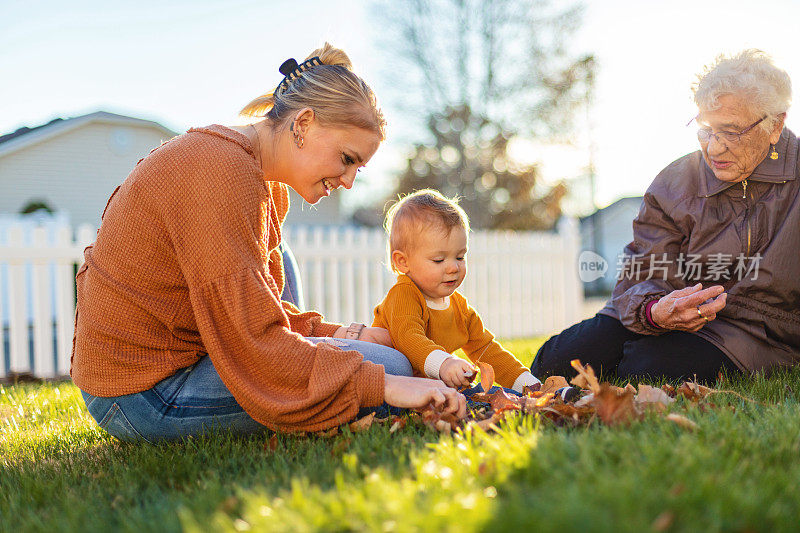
[
  {"x": 487, "y": 375},
  {"x": 528, "y": 390},
  {"x": 481, "y": 397},
  {"x": 329, "y": 433},
  {"x": 501, "y": 401},
  {"x": 553, "y": 383},
  {"x": 589, "y": 380},
  {"x": 397, "y": 424},
  {"x": 682, "y": 421},
  {"x": 694, "y": 391},
  {"x": 614, "y": 407},
  {"x": 669, "y": 389},
  {"x": 651, "y": 397},
  {"x": 362, "y": 423},
  {"x": 272, "y": 443}
]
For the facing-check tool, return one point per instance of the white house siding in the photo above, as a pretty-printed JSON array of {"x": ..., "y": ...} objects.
[
  {"x": 614, "y": 226},
  {"x": 76, "y": 171}
]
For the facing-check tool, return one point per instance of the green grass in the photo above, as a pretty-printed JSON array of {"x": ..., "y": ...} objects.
[{"x": 738, "y": 472}]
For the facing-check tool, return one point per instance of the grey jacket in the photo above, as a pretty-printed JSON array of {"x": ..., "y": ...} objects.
[{"x": 711, "y": 231}]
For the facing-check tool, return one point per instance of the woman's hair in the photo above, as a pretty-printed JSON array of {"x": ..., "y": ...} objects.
[
  {"x": 750, "y": 73},
  {"x": 421, "y": 211},
  {"x": 337, "y": 96}
]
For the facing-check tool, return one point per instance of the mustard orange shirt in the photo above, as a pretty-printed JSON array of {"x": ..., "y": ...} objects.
[{"x": 427, "y": 334}]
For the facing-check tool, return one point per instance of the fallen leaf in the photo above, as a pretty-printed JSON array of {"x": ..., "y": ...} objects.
[
  {"x": 527, "y": 390},
  {"x": 399, "y": 423},
  {"x": 588, "y": 381},
  {"x": 652, "y": 396},
  {"x": 362, "y": 423},
  {"x": 682, "y": 421},
  {"x": 487, "y": 375},
  {"x": 614, "y": 407},
  {"x": 329, "y": 433},
  {"x": 694, "y": 391},
  {"x": 272, "y": 443},
  {"x": 501, "y": 401},
  {"x": 553, "y": 383}
]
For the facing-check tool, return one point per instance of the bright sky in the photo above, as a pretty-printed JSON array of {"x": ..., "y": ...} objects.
[{"x": 186, "y": 63}]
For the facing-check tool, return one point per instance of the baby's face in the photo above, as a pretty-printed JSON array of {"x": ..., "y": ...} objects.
[{"x": 437, "y": 261}]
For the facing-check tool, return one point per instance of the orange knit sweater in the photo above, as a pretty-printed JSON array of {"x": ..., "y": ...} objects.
[
  {"x": 186, "y": 263},
  {"x": 421, "y": 332}
]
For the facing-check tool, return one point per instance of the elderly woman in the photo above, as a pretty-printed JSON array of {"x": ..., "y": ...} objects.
[
  {"x": 180, "y": 327},
  {"x": 711, "y": 280}
]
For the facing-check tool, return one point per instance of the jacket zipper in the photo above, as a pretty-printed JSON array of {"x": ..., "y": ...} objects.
[{"x": 746, "y": 217}]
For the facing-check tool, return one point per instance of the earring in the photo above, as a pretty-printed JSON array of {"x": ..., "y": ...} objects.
[
  {"x": 298, "y": 139},
  {"x": 774, "y": 154}
]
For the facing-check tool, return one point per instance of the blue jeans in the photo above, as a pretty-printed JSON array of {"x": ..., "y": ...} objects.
[{"x": 195, "y": 401}]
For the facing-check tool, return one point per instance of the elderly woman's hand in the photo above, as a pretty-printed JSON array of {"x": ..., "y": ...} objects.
[
  {"x": 418, "y": 393},
  {"x": 689, "y": 309}
]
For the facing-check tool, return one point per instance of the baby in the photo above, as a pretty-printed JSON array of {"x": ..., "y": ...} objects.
[{"x": 426, "y": 317}]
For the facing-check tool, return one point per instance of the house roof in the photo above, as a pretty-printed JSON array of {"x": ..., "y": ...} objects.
[
  {"x": 632, "y": 201},
  {"x": 25, "y": 136}
]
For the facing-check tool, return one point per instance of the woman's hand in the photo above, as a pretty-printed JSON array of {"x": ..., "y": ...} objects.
[
  {"x": 456, "y": 373},
  {"x": 418, "y": 393},
  {"x": 376, "y": 335},
  {"x": 689, "y": 309}
]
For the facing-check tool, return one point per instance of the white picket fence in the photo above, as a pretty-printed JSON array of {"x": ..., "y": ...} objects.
[{"x": 521, "y": 283}]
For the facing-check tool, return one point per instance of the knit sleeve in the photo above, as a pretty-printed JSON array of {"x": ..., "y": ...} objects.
[
  {"x": 220, "y": 220},
  {"x": 401, "y": 313},
  {"x": 482, "y": 346},
  {"x": 279, "y": 378},
  {"x": 308, "y": 323}
]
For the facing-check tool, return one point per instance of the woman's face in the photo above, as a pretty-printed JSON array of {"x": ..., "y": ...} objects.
[
  {"x": 735, "y": 161},
  {"x": 330, "y": 157}
]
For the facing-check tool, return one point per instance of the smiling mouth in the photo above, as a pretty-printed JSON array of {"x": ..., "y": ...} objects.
[{"x": 328, "y": 185}]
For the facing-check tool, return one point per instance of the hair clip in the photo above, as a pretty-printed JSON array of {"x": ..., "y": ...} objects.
[{"x": 291, "y": 71}]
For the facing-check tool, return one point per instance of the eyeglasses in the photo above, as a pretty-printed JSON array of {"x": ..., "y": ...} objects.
[{"x": 728, "y": 138}]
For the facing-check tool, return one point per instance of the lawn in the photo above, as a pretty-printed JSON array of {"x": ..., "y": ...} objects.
[{"x": 737, "y": 472}]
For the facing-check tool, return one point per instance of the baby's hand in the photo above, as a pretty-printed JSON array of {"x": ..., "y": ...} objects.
[{"x": 456, "y": 372}]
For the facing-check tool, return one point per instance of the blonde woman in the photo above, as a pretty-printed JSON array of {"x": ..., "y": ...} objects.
[{"x": 180, "y": 328}]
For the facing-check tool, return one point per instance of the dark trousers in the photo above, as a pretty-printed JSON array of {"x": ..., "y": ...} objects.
[{"x": 613, "y": 350}]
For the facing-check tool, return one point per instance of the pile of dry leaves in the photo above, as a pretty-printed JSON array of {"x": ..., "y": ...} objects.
[
  {"x": 604, "y": 402},
  {"x": 607, "y": 403}
]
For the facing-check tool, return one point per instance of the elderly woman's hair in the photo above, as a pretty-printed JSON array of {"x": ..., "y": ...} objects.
[
  {"x": 337, "y": 95},
  {"x": 421, "y": 211},
  {"x": 752, "y": 74}
]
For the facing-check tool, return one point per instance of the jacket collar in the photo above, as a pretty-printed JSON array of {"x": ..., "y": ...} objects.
[{"x": 769, "y": 170}]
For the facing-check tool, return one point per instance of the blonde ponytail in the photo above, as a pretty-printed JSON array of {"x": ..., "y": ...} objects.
[{"x": 337, "y": 95}]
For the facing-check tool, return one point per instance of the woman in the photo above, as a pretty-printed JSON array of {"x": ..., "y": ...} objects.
[
  {"x": 726, "y": 218},
  {"x": 180, "y": 327}
]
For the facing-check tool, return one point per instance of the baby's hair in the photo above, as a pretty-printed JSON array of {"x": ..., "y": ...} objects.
[{"x": 419, "y": 211}]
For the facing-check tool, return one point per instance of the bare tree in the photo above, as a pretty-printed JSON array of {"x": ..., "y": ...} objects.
[{"x": 477, "y": 74}]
